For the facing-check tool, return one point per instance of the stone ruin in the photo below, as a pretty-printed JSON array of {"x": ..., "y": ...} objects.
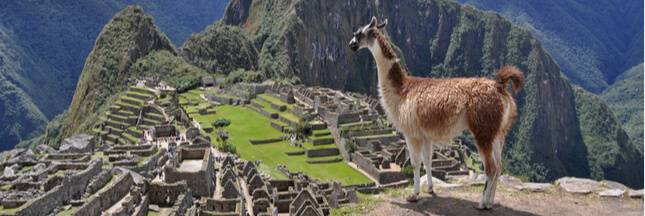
[
  {"x": 163, "y": 131},
  {"x": 196, "y": 167}
]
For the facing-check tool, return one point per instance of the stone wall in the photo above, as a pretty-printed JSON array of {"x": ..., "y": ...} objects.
[
  {"x": 362, "y": 141},
  {"x": 142, "y": 209},
  {"x": 254, "y": 87},
  {"x": 321, "y": 152},
  {"x": 265, "y": 141},
  {"x": 150, "y": 164},
  {"x": 200, "y": 182},
  {"x": 71, "y": 187},
  {"x": 107, "y": 197},
  {"x": 264, "y": 112}
]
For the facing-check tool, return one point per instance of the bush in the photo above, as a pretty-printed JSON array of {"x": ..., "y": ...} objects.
[
  {"x": 226, "y": 146},
  {"x": 219, "y": 123},
  {"x": 409, "y": 172},
  {"x": 242, "y": 75},
  {"x": 350, "y": 146}
]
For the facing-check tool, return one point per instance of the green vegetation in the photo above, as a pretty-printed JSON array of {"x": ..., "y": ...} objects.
[
  {"x": 222, "y": 122},
  {"x": 223, "y": 49},
  {"x": 241, "y": 75},
  {"x": 68, "y": 211},
  {"x": 368, "y": 203},
  {"x": 612, "y": 155},
  {"x": 625, "y": 97},
  {"x": 244, "y": 120}
]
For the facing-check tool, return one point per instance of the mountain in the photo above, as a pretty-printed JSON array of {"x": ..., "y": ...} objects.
[
  {"x": 625, "y": 97},
  {"x": 130, "y": 35},
  {"x": 306, "y": 41},
  {"x": 593, "y": 42},
  {"x": 45, "y": 44},
  {"x": 21, "y": 119},
  {"x": 436, "y": 38}
]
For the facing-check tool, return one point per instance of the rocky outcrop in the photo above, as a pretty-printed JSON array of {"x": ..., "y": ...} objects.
[{"x": 78, "y": 144}]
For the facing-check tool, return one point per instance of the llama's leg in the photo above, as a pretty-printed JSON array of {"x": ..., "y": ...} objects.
[
  {"x": 426, "y": 155},
  {"x": 497, "y": 159},
  {"x": 486, "y": 152},
  {"x": 414, "y": 148}
]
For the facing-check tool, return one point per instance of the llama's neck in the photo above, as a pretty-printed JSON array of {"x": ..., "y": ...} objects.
[{"x": 390, "y": 72}]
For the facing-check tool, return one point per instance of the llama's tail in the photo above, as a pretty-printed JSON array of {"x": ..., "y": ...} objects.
[{"x": 510, "y": 73}]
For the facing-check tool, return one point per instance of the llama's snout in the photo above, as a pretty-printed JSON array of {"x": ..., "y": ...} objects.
[{"x": 353, "y": 44}]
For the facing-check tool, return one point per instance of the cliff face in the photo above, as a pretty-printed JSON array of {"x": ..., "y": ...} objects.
[
  {"x": 434, "y": 38},
  {"x": 131, "y": 34}
]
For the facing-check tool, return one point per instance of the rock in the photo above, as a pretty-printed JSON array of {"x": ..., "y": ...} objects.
[
  {"x": 424, "y": 180},
  {"x": 78, "y": 144},
  {"x": 476, "y": 183},
  {"x": 534, "y": 187},
  {"x": 192, "y": 132},
  {"x": 7, "y": 155},
  {"x": 612, "y": 193},
  {"x": 613, "y": 185},
  {"x": 481, "y": 177},
  {"x": 26, "y": 158},
  {"x": 154, "y": 208},
  {"x": 38, "y": 167},
  {"x": 635, "y": 193},
  {"x": 8, "y": 172},
  {"x": 42, "y": 149},
  {"x": 67, "y": 207},
  {"x": 473, "y": 177},
  {"x": 509, "y": 180},
  {"x": 449, "y": 185},
  {"x": 16, "y": 168},
  {"x": 577, "y": 185}
]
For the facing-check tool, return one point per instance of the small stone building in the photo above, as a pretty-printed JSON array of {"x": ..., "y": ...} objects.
[{"x": 208, "y": 82}]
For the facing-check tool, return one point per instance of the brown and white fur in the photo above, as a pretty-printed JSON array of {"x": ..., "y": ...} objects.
[{"x": 430, "y": 112}]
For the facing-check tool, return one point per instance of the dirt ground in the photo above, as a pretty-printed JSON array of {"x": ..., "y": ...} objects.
[{"x": 508, "y": 201}]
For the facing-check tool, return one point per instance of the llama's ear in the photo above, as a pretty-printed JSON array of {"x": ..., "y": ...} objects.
[
  {"x": 372, "y": 23},
  {"x": 383, "y": 24}
]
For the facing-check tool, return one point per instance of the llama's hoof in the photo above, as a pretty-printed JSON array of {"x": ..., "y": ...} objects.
[
  {"x": 429, "y": 191},
  {"x": 412, "y": 199},
  {"x": 482, "y": 207}
]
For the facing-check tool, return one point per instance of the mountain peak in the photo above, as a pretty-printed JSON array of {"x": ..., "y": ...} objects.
[{"x": 129, "y": 35}]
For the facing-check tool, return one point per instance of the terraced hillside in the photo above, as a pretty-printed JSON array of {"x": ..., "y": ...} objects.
[
  {"x": 249, "y": 125},
  {"x": 128, "y": 117}
]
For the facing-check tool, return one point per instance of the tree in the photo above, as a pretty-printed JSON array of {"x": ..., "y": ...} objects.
[{"x": 219, "y": 123}]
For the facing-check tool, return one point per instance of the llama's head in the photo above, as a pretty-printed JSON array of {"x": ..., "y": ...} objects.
[{"x": 365, "y": 36}]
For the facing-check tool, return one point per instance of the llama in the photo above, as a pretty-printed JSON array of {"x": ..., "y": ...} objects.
[{"x": 430, "y": 112}]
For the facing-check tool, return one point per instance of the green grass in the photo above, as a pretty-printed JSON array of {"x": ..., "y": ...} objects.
[
  {"x": 311, "y": 146},
  {"x": 469, "y": 161},
  {"x": 112, "y": 177},
  {"x": 323, "y": 137},
  {"x": 131, "y": 138},
  {"x": 378, "y": 135},
  {"x": 321, "y": 131},
  {"x": 248, "y": 124},
  {"x": 26, "y": 169},
  {"x": 145, "y": 158},
  {"x": 273, "y": 100},
  {"x": 140, "y": 94},
  {"x": 353, "y": 124},
  {"x": 272, "y": 171},
  {"x": 10, "y": 210},
  {"x": 367, "y": 204}
]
